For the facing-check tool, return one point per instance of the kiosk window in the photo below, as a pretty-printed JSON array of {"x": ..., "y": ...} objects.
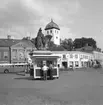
[
  {"x": 39, "y": 64},
  {"x": 55, "y": 63}
]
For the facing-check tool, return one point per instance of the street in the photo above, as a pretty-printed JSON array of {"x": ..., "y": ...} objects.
[{"x": 72, "y": 88}]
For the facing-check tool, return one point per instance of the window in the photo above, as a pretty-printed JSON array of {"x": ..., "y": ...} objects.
[
  {"x": 47, "y": 32},
  {"x": 5, "y": 55},
  {"x": 86, "y": 57},
  {"x": 14, "y": 54},
  {"x": 50, "y": 31},
  {"x": 82, "y": 64},
  {"x": 71, "y": 55},
  {"x": 39, "y": 64},
  {"x": 71, "y": 63},
  {"x": 81, "y": 56},
  {"x": 64, "y": 56},
  {"x": 21, "y": 54},
  {"x": 76, "y": 56},
  {"x": 56, "y": 37},
  {"x": 55, "y": 31},
  {"x": 76, "y": 63}
]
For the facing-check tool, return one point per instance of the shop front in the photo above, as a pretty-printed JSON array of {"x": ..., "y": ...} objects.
[{"x": 38, "y": 60}]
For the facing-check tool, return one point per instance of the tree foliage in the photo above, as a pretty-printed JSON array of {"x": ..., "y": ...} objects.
[
  {"x": 33, "y": 40},
  {"x": 26, "y": 38},
  {"x": 81, "y": 42},
  {"x": 67, "y": 44},
  {"x": 53, "y": 47}
]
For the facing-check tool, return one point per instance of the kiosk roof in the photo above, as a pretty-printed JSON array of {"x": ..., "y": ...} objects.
[
  {"x": 44, "y": 52},
  {"x": 45, "y": 57}
]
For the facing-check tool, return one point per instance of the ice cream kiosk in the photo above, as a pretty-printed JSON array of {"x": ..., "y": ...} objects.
[{"x": 38, "y": 58}]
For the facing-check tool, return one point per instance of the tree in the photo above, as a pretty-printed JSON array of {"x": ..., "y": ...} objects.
[
  {"x": 53, "y": 47},
  {"x": 81, "y": 42},
  {"x": 33, "y": 40},
  {"x": 67, "y": 44},
  {"x": 98, "y": 49},
  {"x": 26, "y": 38}
]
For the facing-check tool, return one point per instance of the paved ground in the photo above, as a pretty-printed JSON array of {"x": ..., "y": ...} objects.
[{"x": 81, "y": 87}]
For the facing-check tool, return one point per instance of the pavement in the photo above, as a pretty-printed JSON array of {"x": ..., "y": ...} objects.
[{"x": 79, "y": 87}]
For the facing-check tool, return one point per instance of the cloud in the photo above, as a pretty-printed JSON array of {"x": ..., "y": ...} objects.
[{"x": 28, "y": 15}]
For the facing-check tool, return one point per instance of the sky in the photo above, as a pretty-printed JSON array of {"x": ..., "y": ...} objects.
[{"x": 76, "y": 18}]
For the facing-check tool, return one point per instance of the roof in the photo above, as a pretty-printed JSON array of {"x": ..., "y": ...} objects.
[
  {"x": 24, "y": 43},
  {"x": 28, "y": 43},
  {"x": 45, "y": 57},
  {"x": 8, "y": 42},
  {"x": 42, "y": 52},
  {"x": 52, "y": 25},
  {"x": 70, "y": 52},
  {"x": 85, "y": 49}
]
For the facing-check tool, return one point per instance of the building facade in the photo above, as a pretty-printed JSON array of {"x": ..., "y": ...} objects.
[
  {"x": 74, "y": 59},
  {"x": 5, "y": 55},
  {"x": 21, "y": 50},
  {"x": 98, "y": 55},
  {"x": 5, "y": 49}
]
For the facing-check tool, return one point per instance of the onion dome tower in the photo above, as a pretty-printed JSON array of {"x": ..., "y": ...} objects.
[{"x": 52, "y": 31}]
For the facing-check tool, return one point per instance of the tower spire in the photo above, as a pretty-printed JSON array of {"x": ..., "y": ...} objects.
[{"x": 51, "y": 20}]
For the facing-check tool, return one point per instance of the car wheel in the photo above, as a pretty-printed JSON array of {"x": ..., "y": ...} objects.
[{"x": 6, "y": 71}]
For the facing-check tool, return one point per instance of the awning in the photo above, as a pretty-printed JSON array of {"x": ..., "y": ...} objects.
[{"x": 45, "y": 57}]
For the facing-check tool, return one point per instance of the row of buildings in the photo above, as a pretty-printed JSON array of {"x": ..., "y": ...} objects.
[{"x": 17, "y": 51}]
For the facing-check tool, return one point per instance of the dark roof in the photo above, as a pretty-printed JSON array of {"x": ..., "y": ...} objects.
[
  {"x": 28, "y": 43},
  {"x": 52, "y": 25},
  {"x": 8, "y": 42},
  {"x": 85, "y": 49}
]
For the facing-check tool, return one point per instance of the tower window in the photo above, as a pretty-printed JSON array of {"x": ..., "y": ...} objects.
[
  {"x": 55, "y": 31},
  {"x": 50, "y": 31},
  {"x": 47, "y": 32},
  {"x": 56, "y": 37}
]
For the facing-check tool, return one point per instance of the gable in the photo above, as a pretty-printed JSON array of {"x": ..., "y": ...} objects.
[
  {"x": 23, "y": 45},
  {"x": 20, "y": 44}
]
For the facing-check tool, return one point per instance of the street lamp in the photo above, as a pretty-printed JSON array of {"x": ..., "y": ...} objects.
[{"x": 24, "y": 57}]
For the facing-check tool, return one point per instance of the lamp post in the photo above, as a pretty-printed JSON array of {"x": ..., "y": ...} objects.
[{"x": 24, "y": 57}]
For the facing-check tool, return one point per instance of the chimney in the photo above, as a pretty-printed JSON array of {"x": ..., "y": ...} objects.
[{"x": 8, "y": 36}]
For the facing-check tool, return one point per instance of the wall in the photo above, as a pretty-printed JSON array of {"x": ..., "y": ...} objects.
[
  {"x": 98, "y": 55},
  {"x": 4, "y": 55},
  {"x": 73, "y": 58},
  {"x": 19, "y": 54},
  {"x": 55, "y": 35}
]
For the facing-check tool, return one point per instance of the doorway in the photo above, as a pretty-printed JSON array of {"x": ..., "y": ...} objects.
[{"x": 65, "y": 64}]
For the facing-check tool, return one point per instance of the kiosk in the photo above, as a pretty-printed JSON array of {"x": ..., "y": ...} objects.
[{"x": 38, "y": 58}]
